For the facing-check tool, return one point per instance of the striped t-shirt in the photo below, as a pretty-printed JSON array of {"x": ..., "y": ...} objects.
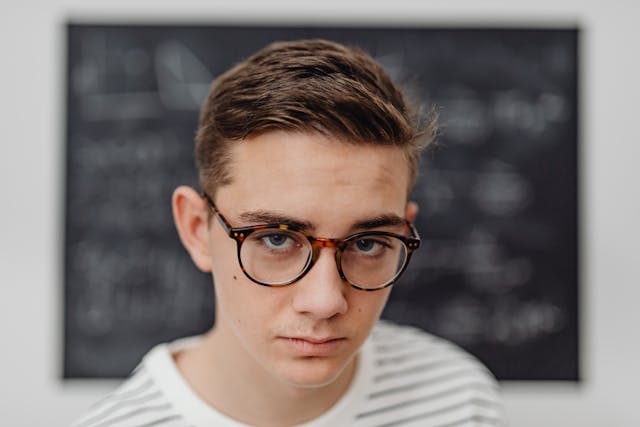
[{"x": 405, "y": 377}]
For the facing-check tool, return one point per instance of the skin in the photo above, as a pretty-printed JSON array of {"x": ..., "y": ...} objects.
[{"x": 257, "y": 365}]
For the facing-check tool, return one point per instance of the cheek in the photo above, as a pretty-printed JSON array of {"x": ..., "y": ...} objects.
[
  {"x": 246, "y": 307},
  {"x": 367, "y": 306},
  {"x": 233, "y": 296}
]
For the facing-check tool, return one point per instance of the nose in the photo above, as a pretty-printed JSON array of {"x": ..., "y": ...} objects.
[{"x": 321, "y": 293}]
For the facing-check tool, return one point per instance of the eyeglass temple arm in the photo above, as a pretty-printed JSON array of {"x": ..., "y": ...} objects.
[
  {"x": 223, "y": 222},
  {"x": 414, "y": 232}
]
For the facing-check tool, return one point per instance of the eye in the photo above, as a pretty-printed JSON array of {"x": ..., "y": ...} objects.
[
  {"x": 365, "y": 245},
  {"x": 277, "y": 240},
  {"x": 370, "y": 246}
]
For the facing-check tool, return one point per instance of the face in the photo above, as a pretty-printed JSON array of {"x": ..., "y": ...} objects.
[{"x": 307, "y": 333}]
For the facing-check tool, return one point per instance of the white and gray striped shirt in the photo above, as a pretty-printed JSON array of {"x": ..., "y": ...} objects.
[{"x": 405, "y": 377}]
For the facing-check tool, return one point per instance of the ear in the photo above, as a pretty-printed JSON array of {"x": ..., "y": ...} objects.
[
  {"x": 191, "y": 217},
  {"x": 411, "y": 211}
]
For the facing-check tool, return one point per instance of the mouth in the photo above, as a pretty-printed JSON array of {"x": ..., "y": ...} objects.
[{"x": 313, "y": 346}]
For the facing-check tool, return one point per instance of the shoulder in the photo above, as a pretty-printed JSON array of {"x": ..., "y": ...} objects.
[
  {"x": 418, "y": 377},
  {"x": 137, "y": 402}
]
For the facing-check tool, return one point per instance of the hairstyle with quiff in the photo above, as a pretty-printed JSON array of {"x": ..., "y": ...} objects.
[{"x": 306, "y": 86}]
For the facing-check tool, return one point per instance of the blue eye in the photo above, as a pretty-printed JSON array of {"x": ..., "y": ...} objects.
[
  {"x": 366, "y": 245},
  {"x": 371, "y": 246},
  {"x": 275, "y": 240}
]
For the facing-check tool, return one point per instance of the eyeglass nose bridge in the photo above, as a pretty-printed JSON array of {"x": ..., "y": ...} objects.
[{"x": 318, "y": 243}]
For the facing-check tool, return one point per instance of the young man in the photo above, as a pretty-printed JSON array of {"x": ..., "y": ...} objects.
[{"x": 307, "y": 153}]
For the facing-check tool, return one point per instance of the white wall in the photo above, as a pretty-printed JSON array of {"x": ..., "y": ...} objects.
[{"x": 31, "y": 172}]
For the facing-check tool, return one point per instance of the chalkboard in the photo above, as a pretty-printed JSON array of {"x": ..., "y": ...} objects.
[{"x": 498, "y": 273}]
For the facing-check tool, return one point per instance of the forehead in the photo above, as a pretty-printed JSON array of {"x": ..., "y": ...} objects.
[{"x": 315, "y": 177}]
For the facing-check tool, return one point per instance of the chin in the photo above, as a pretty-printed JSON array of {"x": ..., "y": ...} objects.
[{"x": 313, "y": 372}]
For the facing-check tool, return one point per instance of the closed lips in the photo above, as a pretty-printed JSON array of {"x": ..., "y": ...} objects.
[{"x": 308, "y": 346}]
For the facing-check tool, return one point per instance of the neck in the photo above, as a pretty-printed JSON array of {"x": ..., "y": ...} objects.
[{"x": 230, "y": 380}]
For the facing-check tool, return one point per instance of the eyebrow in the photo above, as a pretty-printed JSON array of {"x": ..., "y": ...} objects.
[
  {"x": 266, "y": 217},
  {"x": 383, "y": 220}
]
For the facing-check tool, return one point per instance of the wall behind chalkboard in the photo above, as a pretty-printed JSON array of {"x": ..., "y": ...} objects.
[{"x": 498, "y": 273}]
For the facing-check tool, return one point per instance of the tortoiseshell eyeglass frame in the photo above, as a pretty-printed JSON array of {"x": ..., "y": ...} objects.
[{"x": 239, "y": 234}]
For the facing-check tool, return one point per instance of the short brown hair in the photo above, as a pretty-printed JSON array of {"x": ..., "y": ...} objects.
[{"x": 306, "y": 86}]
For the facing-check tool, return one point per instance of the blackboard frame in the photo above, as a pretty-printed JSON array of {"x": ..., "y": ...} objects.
[{"x": 510, "y": 356}]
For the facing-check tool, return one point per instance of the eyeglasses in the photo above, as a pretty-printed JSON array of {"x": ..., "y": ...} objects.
[{"x": 281, "y": 254}]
